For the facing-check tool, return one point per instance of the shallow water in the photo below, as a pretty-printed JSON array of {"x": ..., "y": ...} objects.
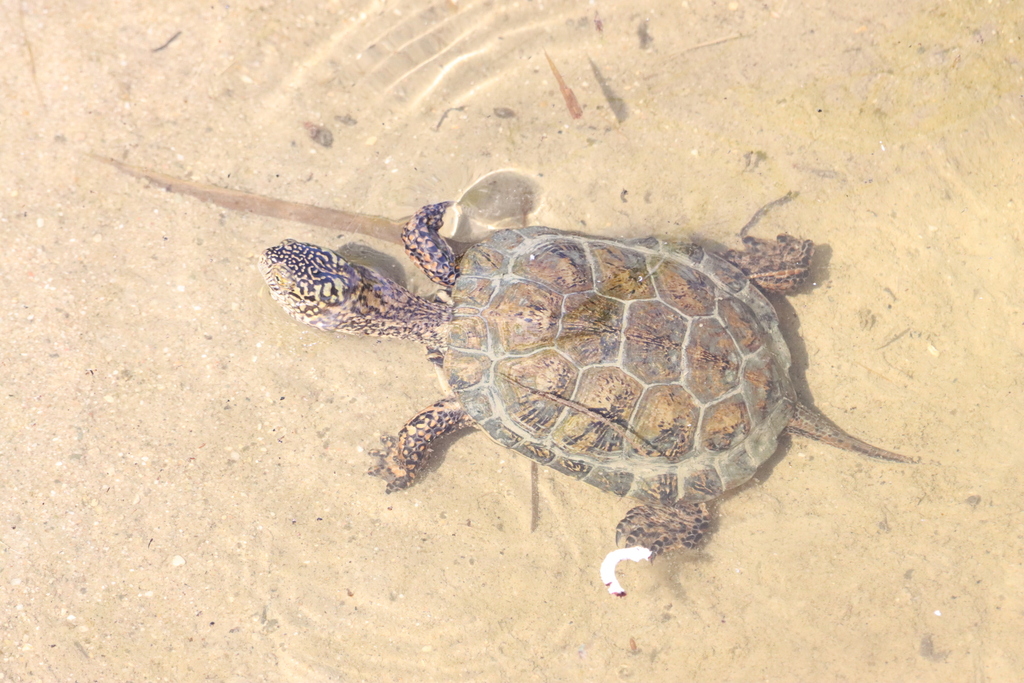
[{"x": 183, "y": 483}]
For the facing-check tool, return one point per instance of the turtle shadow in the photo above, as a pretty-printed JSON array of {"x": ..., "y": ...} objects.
[
  {"x": 366, "y": 256},
  {"x": 789, "y": 322},
  {"x": 789, "y": 325},
  {"x": 439, "y": 449}
]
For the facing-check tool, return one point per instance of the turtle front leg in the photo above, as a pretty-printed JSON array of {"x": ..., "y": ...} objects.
[
  {"x": 425, "y": 246},
  {"x": 661, "y": 527},
  {"x": 405, "y": 455}
]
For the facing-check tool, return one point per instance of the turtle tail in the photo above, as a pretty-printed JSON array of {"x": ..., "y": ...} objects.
[{"x": 810, "y": 423}]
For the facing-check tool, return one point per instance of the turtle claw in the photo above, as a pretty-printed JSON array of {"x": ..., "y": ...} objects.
[
  {"x": 402, "y": 457},
  {"x": 388, "y": 467}
]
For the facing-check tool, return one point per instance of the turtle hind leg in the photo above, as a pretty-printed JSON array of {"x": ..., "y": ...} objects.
[
  {"x": 812, "y": 424},
  {"x": 405, "y": 455},
  {"x": 780, "y": 267},
  {"x": 661, "y": 527}
]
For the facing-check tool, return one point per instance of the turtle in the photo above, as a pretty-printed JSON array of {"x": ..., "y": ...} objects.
[{"x": 647, "y": 368}]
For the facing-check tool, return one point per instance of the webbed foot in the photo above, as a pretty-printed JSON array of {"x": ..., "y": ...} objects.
[
  {"x": 780, "y": 266},
  {"x": 403, "y": 457},
  {"x": 660, "y": 527}
]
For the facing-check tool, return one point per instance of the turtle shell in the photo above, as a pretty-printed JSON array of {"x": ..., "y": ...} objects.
[{"x": 645, "y": 368}]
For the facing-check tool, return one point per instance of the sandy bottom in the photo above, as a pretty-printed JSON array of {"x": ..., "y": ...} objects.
[{"x": 183, "y": 489}]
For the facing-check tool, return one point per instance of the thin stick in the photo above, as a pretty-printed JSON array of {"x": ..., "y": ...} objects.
[
  {"x": 894, "y": 339},
  {"x": 169, "y": 41},
  {"x": 31, "y": 54},
  {"x": 345, "y": 221},
  {"x": 789, "y": 196},
  {"x": 534, "y": 495},
  {"x": 716, "y": 41},
  {"x": 575, "y": 110}
]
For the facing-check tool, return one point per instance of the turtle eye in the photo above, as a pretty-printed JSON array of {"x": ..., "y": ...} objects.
[{"x": 280, "y": 280}]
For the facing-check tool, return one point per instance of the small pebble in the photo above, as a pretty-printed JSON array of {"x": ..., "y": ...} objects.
[{"x": 320, "y": 135}]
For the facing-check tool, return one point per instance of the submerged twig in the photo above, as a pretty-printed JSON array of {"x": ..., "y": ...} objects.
[
  {"x": 345, "y": 221},
  {"x": 31, "y": 54},
  {"x": 534, "y": 495},
  {"x": 169, "y": 41},
  {"x": 756, "y": 218},
  {"x": 571, "y": 102},
  {"x": 716, "y": 41}
]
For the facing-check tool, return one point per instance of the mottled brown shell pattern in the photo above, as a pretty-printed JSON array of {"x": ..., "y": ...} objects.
[{"x": 645, "y": 368}]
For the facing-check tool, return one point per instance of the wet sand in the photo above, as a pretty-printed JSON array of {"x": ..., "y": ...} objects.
[{"x": 183, "y": 483}]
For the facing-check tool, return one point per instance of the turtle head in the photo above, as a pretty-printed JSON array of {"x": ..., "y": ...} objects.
[
  {"x": 315, "y": 285},
  {"x": 320, "y": 288}
]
